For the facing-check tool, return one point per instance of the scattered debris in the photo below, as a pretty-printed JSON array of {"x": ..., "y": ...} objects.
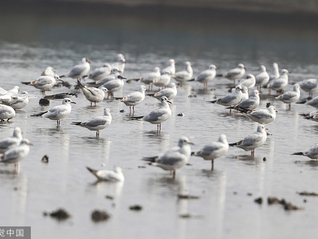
[
  {"x": 181, "y": 114},
  {"x": 183, "y": 196},
  {"x": 98, "y": 216},
  {"x": 60, "y": 214},
  {"x": 307, "y": 193},
  {"x": 142, "y": 167},
  {"x": 234, "y": 193},
  {"x": 44, "y": 102},
  {"x": 192, "y": 96},
  {"x": 264, "y": 159},
  {"x": 121, "y": 111},
  {"x": 45, "y": 159},
  {"x": 135, "y": 208},
  {"x": 287, "y": 205},
  {"x": 259, "y": 200},
  {"x": 189, "y": 164},
  {"x": 109, "y": 197},
  {"x": 186, "y": 215},
  {"x": 249, "y": 194}
]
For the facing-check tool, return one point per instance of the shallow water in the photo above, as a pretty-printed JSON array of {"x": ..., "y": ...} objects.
[{"x": 226, "y": 207}]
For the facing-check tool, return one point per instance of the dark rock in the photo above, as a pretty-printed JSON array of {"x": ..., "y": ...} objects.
[
  {"x": 307, "y": 193},
  {"x": 109, "y": 197},
  {"x": 135, "y": 208},
  {"x": 98, "y": 216},
  {"x": 60, "y": 214},
  {"x": 183, "y": 196},
  {"x": 259, "y": 200},
  {"x": 45, "y": 159}
]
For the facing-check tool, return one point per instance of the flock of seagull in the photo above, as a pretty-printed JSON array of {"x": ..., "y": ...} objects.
[{"x": 105, "y": 81}]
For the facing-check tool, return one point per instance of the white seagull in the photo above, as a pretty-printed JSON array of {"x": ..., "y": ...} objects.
[
  {"x": 79, "y": 70},
  {"x": 43, "y": 83},
  {"x": 11, "y": 141},
  {"x": 97, "y": 123},
  {"x": 208, "y": 75},
  {"x": 170, "y": 92},
  {"x": 249, "y": 104},
  {"x": 120, "y": 64},
  {"x": 16, "y": 154},
  {"x": 290, "y": 97},
  {"x": 263, "y": 116},
  {"x": 159, "y": 115},
  {"x": 262, "y": 78},
  {"x": 230, "y": 99},
  {"x": 22, "y": 101},
  {"x": 134, "y": 99},
  {"x": 279, "y": 83},
  {"x": 6, "y": 112},
  {"x": 151, "y": 77},
  {"x": 234, "y": 74},
  {"x": 58, "y": 112},
  {"x": 113, "y": 86},
  {"x": 170, "y": 69},
  {"x": 173, "y": 158},
  {"x": 106, "y": 175},
  {"x": 311, "y": 153},
  {"x": 253, "y": 141},
  {"x": 100, "y": 73},
  {"x": 214, "y": 150},
  {"x": 248, "y": 82},
  {"x": 184, "y": 76},
  {"x": 309, "y": 86},
  {"x": 313, "y": 102},
  {"x": 92, "y": 94}
]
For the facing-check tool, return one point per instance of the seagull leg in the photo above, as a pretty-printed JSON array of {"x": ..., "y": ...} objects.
[
  {"x": 97, "y": 134},
  {"x": 252, "y": 152},
  {"x": 289, "y": 106},
  {"x": 133, "y": 110},
  {"x": 174, "y": 174},
  {"x": 212, "y": 168}
]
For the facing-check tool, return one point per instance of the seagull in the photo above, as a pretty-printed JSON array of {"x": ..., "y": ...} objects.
[
  {"x": 79, "y": 70},
  {"x": 248, "y": 82},
  {"x": 173, "y": 158},
  {"x": 58, "y": 112},
  {"x": 151, "y": 77},
  {"x": 100, "y": 73},
  {"x": 12, "y": 141},
  {"x": 249, "y": 104},
  {"x": 311, "y": 153},
  {"x": 10, "y": 96},
  {"x": 313, "y": 102},
  {"x": 214, "y": 150},
  {"x": 244, "y": 93},
  {"x": 21, "y": 102},
  {"x": 276, "y": 74},
  {"x": 230, "y": 99},
  {"x": 183, "y": 76},
  {"x": 49, "y": 71},
  {"x": 44, "y": 83},
  {"x": 309, "y": 86},
  {"x": 169, "y": 70},
  {"x": 162, "y": 81},
  {"x": 159, "y": 115},
  {"x": 262, "y": 78},
  {"x": 6, "y": 112},
  {"x": 207, "y": 75},
  {"x": 290, "y": 96},
  {"x": 279, "y": 83},
  {"x": 263, "y": 116},
  {"x": 234, "y": 74},
  {"x": 170, "y": 92},
  {"x": 311, "y": 116},
  {"x": 113, "y": 86},
  {"x": 97, "y": 123},
  {"x": 105, "y": 175},
  {"x": 17, "y": 153},
  {"x": 93, "y": 94},
  {"x": 253, "y": 141},
  {"x": 134, "y": 98},
  {"x": 120, "y": 64},
  {"x": 114, "y": 74}
]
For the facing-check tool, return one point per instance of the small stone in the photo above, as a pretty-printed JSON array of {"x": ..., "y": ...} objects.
[
  {"x": 187, "y": 215},
  {"x": 180, "y": 114},
  {"x": 45, "y": 159},
  {"x": 183, "y": 196},
  {"x": 135, "y": 208},
  {"x": 264, "y": 159},
  {"x": 259, "y": 200},
  {"x": 60, "y": 214},
  {"x": 121, "y": 111},
  {"x": 249, "y": 194},
  {"x": 98, "y": 216},
  {"x": 109, "y": 197}
]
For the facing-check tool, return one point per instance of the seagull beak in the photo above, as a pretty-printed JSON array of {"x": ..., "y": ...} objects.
[
  {"x": 73, "y": 102},
  {"x": 169, "y": 102},
  {"x": 190, "y": 143}
]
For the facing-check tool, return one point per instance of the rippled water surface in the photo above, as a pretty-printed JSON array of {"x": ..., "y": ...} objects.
[{"x": 226, "y": 207}]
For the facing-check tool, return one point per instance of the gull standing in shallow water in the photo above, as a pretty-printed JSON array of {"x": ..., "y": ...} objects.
[
  {"x": 311, "y": 153},
  {"x": 79, "y": 70},
  {"x": 97, "y": 123},
  {"x": 214, "y": 150},
  {"x": 107, "y": 175},
  {"x": 262, "y": 78},
  {"x": 290, "y": 96},
  {"x": 248, "y": 82},
  {"x": 230, "y": 99},
  {"x": 263, "y": 116},
  {"x": 313, "y": 102},
  {"x": 279, "y": 83},
  {"x": 234, "y": 74},
  {"x": 58, "y": 112},
  {"x": 253, "y": 141},
  {"x": 12, "y": 141},
  {"x": 170, "y": 93},
  {"x": 93, "y": 94},
  {"x": 159, "y": 115},
  {"x": 184, "y": 76},
  {"x": 16, "y": 154},
  {"x": 173, "y": 158},
  {"x": 22, "y": 101},
  {"x": 309, "y": 86},
  {"x": 207, "y": 75},
  {"x": 101, "y": 72},
  {"x": 171, "y": 69},
  {"x": 248, "y": 104},
  {"x": 134, "y": 98}
]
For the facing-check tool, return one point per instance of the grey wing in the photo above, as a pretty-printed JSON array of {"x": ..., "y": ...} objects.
[
  {"x": 134, "y": 97},
  {"x": 45, "y": 81},
  {"x": 171, "y": 158},
  {"x": 252, "y": 139},
  {"x": 4, "y": 144},
  {"x": 289, "y": 95},
  {"x": 14, "y": 154},
  {"x": 233, "y": 72},
  {"x": 77, "y": 70},
  {"x": 261, "y": 115},
  {"x": 96, "y": 122},
  {"x": 210, "y": 148},
  {"x": 228, "y": 98}
]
